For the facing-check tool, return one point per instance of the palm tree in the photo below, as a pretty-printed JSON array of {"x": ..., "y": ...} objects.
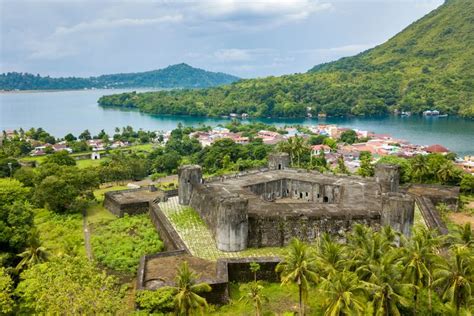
[
  {"x": 419, "y": 167},
  {"x": 33, "y": 254},
  {"x": 299, "y": 266},
  {"x": 385, "y": 286},
  {"x": 331, "y": 256},
  {"x": 445, "y": 172},
  {"x": 455, "y": 277},
  {"x": 187, "y": 301},
  {"x": 419, "y": 257},
  {"x": 464, "y": 235},
  {"x": 253, "y": 294},
  {"x": 343, "y": 294}
]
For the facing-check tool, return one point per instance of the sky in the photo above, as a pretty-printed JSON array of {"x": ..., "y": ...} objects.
[{"x": 245, "y": 38}]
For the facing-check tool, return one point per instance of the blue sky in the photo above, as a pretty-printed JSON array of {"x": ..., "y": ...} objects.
[{"x": 244, "y": 38}]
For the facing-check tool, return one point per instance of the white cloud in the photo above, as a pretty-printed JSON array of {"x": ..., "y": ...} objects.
[
  {"x": 261, "y": 12},
  {"x": 102, "y": 24},
  {"x": 238, "y": 55}
]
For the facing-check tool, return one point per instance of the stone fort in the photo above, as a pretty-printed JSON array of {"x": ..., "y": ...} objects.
[{"x": 270, "y": 207}]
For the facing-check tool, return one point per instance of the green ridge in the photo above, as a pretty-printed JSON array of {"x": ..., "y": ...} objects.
[{"x": 429, "y": 65}]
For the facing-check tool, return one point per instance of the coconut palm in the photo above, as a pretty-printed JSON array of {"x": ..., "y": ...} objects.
[
  {"x": 299, "y": 266},
  {"x": 33, "y": 254},
  {"x": 253, "y": 294},
  {"x": 331, "y": 256},
  {"x": 187, "y": 301},
  {"x": 384, "y": 285},
  {"x": 419, "y": 167},
  {"x": 419, "y": 257},
  {"x": 464, "y": 235},
  {"x": 342, "y": 293},
  {"x": 455, "y": 277},
  {"x": 446, "y": 172}
]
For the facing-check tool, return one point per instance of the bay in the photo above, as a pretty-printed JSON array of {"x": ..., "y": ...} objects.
[{"x": 74, "y": 111}]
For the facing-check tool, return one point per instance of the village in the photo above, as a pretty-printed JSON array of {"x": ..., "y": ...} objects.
[{"x": 378, "y": 145}]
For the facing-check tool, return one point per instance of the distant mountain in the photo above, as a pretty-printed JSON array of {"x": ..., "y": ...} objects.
[
  {"x": 429, "y": 65},
  {"x": 175, "y": 76}
]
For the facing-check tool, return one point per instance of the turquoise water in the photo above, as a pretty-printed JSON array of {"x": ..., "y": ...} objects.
[{"x": 73, "y": 111}]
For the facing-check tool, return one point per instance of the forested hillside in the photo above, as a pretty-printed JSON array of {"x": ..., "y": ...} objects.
[
  {"x": 176, "y": 76},
  {"x": 429, "y": 65}
]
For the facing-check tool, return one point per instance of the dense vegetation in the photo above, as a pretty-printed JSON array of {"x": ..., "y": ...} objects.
[
  {"x": 426, "y": 66},
  {"x": 119, "y": 244},
  {"x": 175, "y": 76},
  {"x": 43, "y": 264},
  {"x": 371, "y": 273}
]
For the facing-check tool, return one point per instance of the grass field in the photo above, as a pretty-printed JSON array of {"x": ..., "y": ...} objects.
[{"x": 282, "y": 300}]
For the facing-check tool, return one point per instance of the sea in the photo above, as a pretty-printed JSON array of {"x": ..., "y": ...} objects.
[{"x": 63, "y": 112}]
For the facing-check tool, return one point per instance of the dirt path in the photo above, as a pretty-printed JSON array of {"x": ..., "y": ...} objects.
[
  {"x": 461, "y": 218},
  {"x": 87, "y": 236}
]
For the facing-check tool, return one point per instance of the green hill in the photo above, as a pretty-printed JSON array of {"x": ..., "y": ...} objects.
[
  {"x": 175, "y": 76},
  {"x": 429, "y": 65}
]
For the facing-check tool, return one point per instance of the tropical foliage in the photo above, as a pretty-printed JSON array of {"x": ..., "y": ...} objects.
[
  {"x": 175, "y": 76},
  {"x": 119, "y": 244}
]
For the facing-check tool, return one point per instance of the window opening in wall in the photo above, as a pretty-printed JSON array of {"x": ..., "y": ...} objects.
[
  {"x": 287, "y": 191},
  {"x": 319, "y": 195},
  {"x": 279, "y": 166},
  {"x": 325, "y": 199},
  {"x": 189, "y": 181},
  {"x": 307, "y": 194},
  {"x": 301, "y": 195}
]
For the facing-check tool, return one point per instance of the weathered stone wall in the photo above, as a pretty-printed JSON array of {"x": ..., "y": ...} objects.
[
  {"x": 388, "y": 176},
  {"x": 398, "y": 212},
  {"x": 274, "y": 231},
  {"x": 206, "y": 202},
  {"x": 278, "y": 161},
  {"x": 189, "y": 177},
  {"x": 232, "y": 224}
]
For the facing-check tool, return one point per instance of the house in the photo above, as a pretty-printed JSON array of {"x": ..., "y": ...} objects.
[
  {"x": 438, "y": 149},
  {"x": 316, "y": 149},
  {"x": 95, "y": 155}
]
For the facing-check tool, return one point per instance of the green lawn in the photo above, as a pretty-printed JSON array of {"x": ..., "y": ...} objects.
[
  {"x": 86, "y": 163},
  {"x": 282, "y": 300}
]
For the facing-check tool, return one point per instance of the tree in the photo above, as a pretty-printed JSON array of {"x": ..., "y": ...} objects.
[
  {"x": 253, "y": 294},
  {"x": 455, "y": 277},
  {"x": 67, "y": 285},
  {"x": 419, "y": 167},
  {"x": 6, "y": 292},
  {"x": 341, "y": 166},
  {"x": 85, "y": 135},
  {"x": 56, "y": 194},
  {"x": 12, "y": 190},
  {"x": 70, "y": 138},
  {"x": 187, "y": 299},
  {"x": 386, "y": 289},
  {"x": 298, "y": 266},
  {"x": 467, "y": 183},
  {"x": 366, "y": 168},
  {"x": 61, "y": 158},
  {"x": 16, "y": 220},
  {"x": 342, "y": 294},
  {"x": 418, "y": 258},
  {"x": 33, "y": 254},
  {"x": 8, "y": 166},
  {"x": 349, "y": 136}
]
